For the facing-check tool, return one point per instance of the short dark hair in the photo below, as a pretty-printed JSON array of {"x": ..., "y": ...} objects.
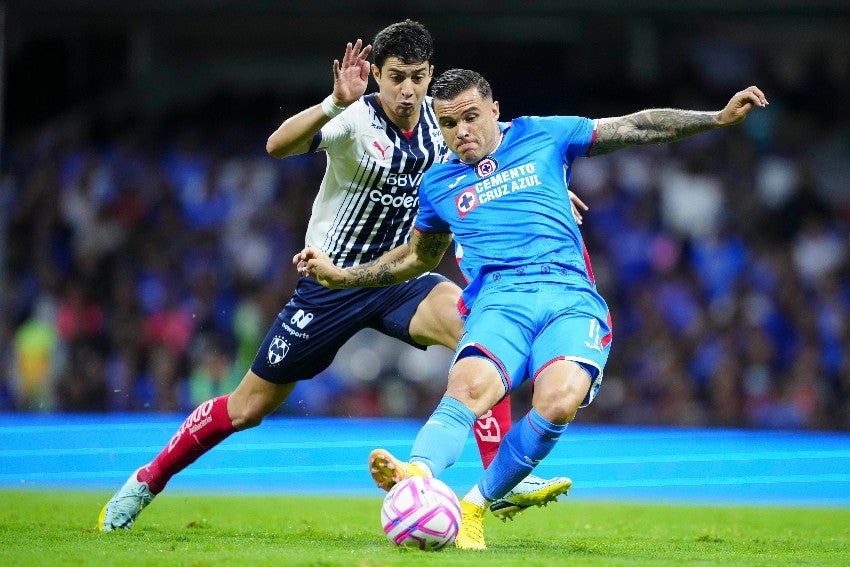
[
  {"x": 455, "y": 81},
  {"x": 408, "y": 40}
]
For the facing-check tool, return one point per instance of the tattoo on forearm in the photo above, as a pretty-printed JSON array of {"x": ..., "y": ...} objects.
[
  {"x": 400, "y": 264},
  {"x": 371, "y": 274},
  {"x": 383, "y": 275},
  {"x": 431, "y": 248},
  {"x": 654, "y": 126}
]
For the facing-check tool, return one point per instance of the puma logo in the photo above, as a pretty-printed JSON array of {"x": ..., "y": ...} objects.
[{"x": 381, "y": 149}]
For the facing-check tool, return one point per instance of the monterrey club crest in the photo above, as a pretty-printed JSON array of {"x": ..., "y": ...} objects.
[
  {"x": 486, "y": 166},
  {"x": 466, "y": 201},
  {"x": 277, "y": 350}
]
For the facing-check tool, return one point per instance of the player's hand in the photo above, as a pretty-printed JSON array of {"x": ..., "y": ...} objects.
[
  {"x": 351, "y": 77},
  {"x": 577, "y": 206},
  {"x": 313, "y": 263},
  {"x": 741, "y": 104}
]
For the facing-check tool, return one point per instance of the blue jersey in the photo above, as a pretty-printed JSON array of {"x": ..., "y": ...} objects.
[{"x": 511, "y": 211}]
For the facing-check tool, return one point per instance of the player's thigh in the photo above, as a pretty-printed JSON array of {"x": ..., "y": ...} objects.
[
  {"x": 476, "y": 382},
  {"x": 503, "y": 332},
  {"x": 436, "y": 320},
  {"x": 580, "y": 338},
  {"x": 560, "y": 389},
  {"x": 422, "y": 312}
]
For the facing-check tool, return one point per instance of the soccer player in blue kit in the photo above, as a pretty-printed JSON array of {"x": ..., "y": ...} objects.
[
  {"x": 531, "y": 307},
  {"x": 377, "y": 146}
]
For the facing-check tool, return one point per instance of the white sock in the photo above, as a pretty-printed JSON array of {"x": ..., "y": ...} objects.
[{"x": 474, "y": 496}]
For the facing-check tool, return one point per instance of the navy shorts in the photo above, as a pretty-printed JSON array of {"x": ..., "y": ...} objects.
[{"x": 317, "y": 321}]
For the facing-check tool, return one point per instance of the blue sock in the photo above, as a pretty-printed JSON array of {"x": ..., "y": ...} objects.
[
  {"x": 531, "y": 439},
  {"x": 440, "y": 441}
]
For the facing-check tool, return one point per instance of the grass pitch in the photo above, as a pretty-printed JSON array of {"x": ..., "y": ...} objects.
[{"x": 58, "y": 528}]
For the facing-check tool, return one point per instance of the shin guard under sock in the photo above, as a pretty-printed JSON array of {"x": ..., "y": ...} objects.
[
  {"x": 440, "y": 441},
  {"x": 525, "y": 445},
  {"x": 205, "y": 428}
]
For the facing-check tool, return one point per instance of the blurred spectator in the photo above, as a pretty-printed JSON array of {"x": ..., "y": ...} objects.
[
  {"x": 213, "y": 371},
  {"x": 83, "y": 383},
  {"x": 36, "y": 361}
]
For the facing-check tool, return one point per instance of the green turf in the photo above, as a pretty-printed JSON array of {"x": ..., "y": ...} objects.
[{"x": 47, "y": 528}]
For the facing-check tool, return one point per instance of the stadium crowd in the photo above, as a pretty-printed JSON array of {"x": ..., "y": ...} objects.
[{"x": 143, "y": 261}]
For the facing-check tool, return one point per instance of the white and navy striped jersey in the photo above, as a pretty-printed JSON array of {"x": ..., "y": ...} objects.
[{"x": 369, "y": 195}]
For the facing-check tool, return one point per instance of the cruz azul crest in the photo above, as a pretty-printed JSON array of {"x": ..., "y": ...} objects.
[
  {"x": 486, "y": 166},
  {"x": 466, "y": 201}
]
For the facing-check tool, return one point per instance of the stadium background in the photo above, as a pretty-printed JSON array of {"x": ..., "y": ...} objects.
[{"x": 146, "y": 236}]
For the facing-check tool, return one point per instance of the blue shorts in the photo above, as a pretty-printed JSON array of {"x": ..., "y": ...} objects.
[
  {"x": 525, "y": 326},
  {"x": 317, "y": 321}
]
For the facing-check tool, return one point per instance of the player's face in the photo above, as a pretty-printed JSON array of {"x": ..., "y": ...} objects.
[
  {"x": 402, "y": 87},
  {"x": 469, "y": 123}
]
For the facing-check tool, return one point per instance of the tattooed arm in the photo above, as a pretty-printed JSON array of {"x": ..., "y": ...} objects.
[
  {"x": 661, "y": 126},
  {"x": 421, "y": 254}
]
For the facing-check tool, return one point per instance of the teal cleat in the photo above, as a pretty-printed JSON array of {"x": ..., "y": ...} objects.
[
  {"x": 124, "y": 507},
  {"x": 531, "y": 491}
]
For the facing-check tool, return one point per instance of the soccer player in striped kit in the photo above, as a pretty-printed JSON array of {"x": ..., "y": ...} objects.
[
  {"x": 532, "y": 310},
  {"x": 378, "y": 147}
]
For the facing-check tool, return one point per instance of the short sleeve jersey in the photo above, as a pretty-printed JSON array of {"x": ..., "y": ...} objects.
[
  {"x": 368, "y": 197},
  {"x": 511, "y": 210}
]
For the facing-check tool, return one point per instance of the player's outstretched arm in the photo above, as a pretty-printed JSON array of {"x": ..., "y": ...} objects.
[
  {"x": 351, "y": 77},
  {"x": 420, "y": 255},
  {"x": 664, "y": 125}
]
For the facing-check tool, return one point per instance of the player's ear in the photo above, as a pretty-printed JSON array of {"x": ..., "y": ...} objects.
[
  {"x": 496, "y": 109},
  {"x": 376, "y": 72}
]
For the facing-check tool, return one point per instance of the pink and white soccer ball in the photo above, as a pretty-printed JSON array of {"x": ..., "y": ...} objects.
[{"x": 421, "y": 512}]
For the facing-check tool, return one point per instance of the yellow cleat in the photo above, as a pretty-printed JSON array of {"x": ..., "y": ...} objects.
[
  {"x": 387, "y": 471},
  {"x": 471, "y": 534},
  {"x": 101, "y": 518}
]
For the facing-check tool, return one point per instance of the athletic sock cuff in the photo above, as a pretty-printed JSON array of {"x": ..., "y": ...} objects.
[
  {"x": 457, "y": 410},
  {"x": 545, "y": 427}
]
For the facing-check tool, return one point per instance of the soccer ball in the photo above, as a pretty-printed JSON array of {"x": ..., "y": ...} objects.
[{"x": 421, "y": 512}]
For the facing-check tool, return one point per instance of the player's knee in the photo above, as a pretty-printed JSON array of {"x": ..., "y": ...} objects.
[
  {"x": 254, "y": 399},
  {"x": 560, "y": 406},
  {"x": 245, "y": 421},
  {"x": 248, "y": 414},
  {"x": 477, "y": 392},
  {"x": 436, "y": 320},
  {"x": 557, "y": 411}
]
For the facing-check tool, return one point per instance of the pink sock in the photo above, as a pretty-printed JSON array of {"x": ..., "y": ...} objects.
[
  {"x": 490, "y": 428},
  {"x": 205, "y": 428}
]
